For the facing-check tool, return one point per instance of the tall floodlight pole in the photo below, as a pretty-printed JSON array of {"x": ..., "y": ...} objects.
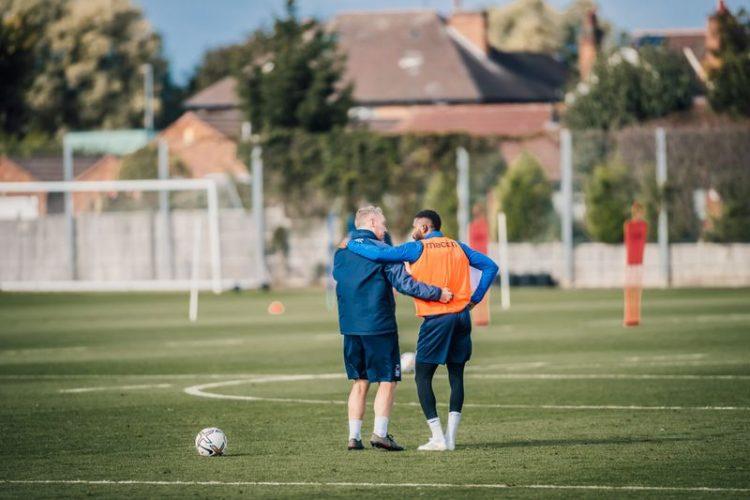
[
  {"x": 663, "y": 226},
  {"x": 256, "y": 159},
  {"x": 462, "y": 164},
  {"x": 148, "y": 95},
  {"x": 70, "y": 221},
  {"x": 566, "y": 189},
  {"x": 166, "y": 223}
]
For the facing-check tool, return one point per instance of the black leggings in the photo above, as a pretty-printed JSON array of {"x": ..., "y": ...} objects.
[{"x": 424, "y": 373}]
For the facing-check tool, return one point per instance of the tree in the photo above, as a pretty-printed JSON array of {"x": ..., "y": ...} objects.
[
  {"x": 729, "y": 90},
  {"x": 21, "y": 32},
  {"x": 733, "y": 223},
  {"x": 536, "y": 26},
  {"x": 298, "y": 83},
  {"x": 73, "y": 64},
  {"x": 610, "y": 192},
  {"x": 89, "y": 62},
  {"x": 143, "y": 164},
  {"x": 441, "y": 196},
  {"x": 631, "y": 86},
  {"x": 229, "y": 60},
  {"x": 525, "y": 196},
  {"x": 525, "y": 25},
  {"x": 16, "y": 63}
]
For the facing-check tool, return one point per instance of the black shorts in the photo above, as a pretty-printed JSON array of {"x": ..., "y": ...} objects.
[{"x": 372, "y": 357}]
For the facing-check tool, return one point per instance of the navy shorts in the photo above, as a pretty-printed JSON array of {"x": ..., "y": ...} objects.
[
  {"x": 372, "y": 357},
  {"x": 445, "y": 338}
]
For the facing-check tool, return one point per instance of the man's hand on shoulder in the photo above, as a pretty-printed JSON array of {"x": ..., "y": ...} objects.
[{"x": 446, "y": 295}]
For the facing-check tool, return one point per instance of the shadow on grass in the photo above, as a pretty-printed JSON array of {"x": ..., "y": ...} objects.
[{"x": 572, "y": 442}]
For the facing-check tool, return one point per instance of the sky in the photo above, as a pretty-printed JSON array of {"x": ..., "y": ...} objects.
[{"x": 190, "y": 27}]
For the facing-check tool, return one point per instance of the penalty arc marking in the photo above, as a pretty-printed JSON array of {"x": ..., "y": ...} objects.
[
  {"x": 493, "y": 486},
  {"x": 205, "y": 391}
]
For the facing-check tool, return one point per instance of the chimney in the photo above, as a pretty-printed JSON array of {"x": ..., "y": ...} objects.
[
  {"x": 589, "y": 42},
  {"x": 472, "y": 26},
  {"x": 713, "y": 36}
]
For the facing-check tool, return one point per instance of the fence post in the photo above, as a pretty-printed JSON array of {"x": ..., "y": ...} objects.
[
  {"x": 502, "y": 244},
  {"x": 214, "y": 236},
  {"x": 663, "y": 225},
  {"x": 70, "y": 221},
  {"x": 462, "y": 164},
  {"x": 258, "y": 216},
  {"x": 566, "y": 188},
  {"x": 166, "y": 222}
]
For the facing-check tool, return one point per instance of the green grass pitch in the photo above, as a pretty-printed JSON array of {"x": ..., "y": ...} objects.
[{"x": 562, "y": 401}]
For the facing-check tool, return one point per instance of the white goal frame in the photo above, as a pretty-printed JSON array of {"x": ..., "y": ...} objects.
[{"x": 165, "y": 185}]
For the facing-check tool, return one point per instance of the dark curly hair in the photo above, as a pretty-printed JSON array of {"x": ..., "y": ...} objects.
[{"x": 432, "y": 215}]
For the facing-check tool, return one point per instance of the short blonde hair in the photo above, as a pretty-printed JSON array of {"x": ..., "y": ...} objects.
[{"x": 364, "y": 214}]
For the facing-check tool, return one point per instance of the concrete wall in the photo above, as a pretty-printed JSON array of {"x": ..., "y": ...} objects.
[
  {"x": 127, "y": 246},
  {"x": 598, "y": 265}
]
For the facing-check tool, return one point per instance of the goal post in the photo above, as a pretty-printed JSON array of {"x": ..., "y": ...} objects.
[{"x": 68, "y": 188}]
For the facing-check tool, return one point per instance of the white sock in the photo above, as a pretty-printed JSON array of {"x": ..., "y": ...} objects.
[
  {"x": 454, "y": 418},
  {"x": 381, "y": 426},
  {"x": 355, "y": 429},
  {"x": 437, "y": 430}
]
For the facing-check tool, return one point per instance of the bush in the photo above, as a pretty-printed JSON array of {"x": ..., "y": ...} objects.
[
  {"x": 610, "y": 191},
  {"x": 525, "y": 196},
  {"x": 312, "y": 174},
  {"x": 144, "y": 164},
  {"x": 442, "y": 197},
  {"x": 733, "y": 223}
]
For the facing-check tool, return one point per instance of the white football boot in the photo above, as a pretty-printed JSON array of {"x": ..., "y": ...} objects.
[
  {"x": 434, "y": 445},
  {"x": 450, "y": 444}
]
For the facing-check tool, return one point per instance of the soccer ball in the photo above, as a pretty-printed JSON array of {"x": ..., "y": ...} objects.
[
  {"x": 211, "y": 442},
  {"x": 408, "y": 360}
]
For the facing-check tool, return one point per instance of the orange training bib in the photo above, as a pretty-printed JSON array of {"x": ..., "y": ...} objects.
[{"x": 443, "y": 263}]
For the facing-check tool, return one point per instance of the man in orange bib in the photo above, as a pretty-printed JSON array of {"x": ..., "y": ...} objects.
[{"x": 445, "y": 334}]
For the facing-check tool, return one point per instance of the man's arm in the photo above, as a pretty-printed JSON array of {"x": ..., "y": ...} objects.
[
  {"x": 336, "y": 265},
  {"x": 489, "y": 270},
  {"x": 408, "y": 252},
  {"x": 404, "y": 283}
]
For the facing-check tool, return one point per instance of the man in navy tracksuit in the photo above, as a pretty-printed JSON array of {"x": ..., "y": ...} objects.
[{"x": 367, "y": 320}]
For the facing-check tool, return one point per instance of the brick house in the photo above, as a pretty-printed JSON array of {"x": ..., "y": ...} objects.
[
  {"x": 415, "y": 71},
  {"x": 201, "y": 148},
  {"x": 44, "y": 168},
  {"x": 21, "y": 205}
]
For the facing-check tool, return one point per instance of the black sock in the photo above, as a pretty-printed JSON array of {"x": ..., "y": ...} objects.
[
  {"x": 456, "y": 378},
  {"x": 423, "y": 374}
]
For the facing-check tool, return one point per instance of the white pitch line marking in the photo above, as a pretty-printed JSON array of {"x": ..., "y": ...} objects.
[
  {"x": 469, "y": 374},
  {"x": 116, "y": 388},
  {"x": 668, "y": 357},
  {"x": 42, "y": 350},
  {"x": 601, "y": 376},
  {"x": 71, "y": 376},
  {"x": 205, "y": 342},
  {"x": 510, "y": 366},
  {"x": 382, "y": 485},
  {"x": 201, "y": 391}
]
